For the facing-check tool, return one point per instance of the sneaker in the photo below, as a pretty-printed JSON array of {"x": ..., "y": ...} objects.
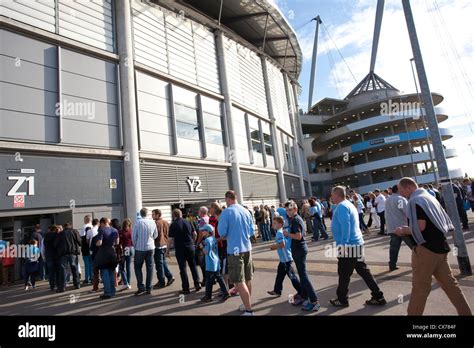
[
  {"x": 139, "y": 292},
  {"x": 247, "y": 314},
  {"x": 225, "y": 297},
  {"x": 105, "y": 297},
  {"x": 26, "y": 287},
  {"x": 170, "y": 281},
  {"x": 311, "y": 306},
  {"x": 184, "y": 292},
  {"x": 274, "y": 293},
  {"x": 242, "y": 308},
  {"x": 125, "y": 287},
  {"x": 336, "y": 303},
  {"x": 376, "y": 302},
  {"x": 148, "y": 292},
  {"x": 233, "y": 292},
  {"x": 298, "y": 301},
  {"x": 198, "y": 287},
  {"x": 393, "y": 268},
  {"x": 158, "y": 286},
  {"x": 203, "y": 284},
  {"x": 206, "y": 299}
]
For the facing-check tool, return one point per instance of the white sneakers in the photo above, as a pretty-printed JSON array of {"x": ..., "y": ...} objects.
[
  {"x": 242, "y": 309},
  {"x": 126, "y": 287}
]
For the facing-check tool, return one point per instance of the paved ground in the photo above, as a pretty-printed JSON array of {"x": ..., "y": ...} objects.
[{"x": 323, "y": 273}]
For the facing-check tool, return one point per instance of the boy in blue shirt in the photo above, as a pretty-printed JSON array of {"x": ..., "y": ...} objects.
[
  {"x": 283, "y": 247},
  {"x": 212, "y": 264}
]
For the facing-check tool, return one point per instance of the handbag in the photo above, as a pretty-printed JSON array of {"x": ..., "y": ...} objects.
[
  {"x": 467, "y": 205},
  {"x": 106, "y": 257}
]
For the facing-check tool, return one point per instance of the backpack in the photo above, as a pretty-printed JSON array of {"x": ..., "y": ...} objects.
[{"x": 85, "y": 250}]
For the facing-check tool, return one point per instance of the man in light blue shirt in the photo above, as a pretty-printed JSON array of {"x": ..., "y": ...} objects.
[
  {"x": 316, "y": 211},
  {"x": 236, "y": 226},
  {"x": 349, "y": 241},
  {"x": 144, "y": 233}
]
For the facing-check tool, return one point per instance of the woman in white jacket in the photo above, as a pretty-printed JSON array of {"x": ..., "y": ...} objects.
[{"x": 374, "y": 218}]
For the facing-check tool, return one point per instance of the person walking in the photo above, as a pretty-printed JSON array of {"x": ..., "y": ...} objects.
[
  {"x": 86, "y": 256},
  {"x": 459, "y": 195},
  {"x": 144, "y": 233},
  {"x": 395, "y": 214},
  {"x": 316, "y": 211},
  {"x": 428, "y": 225},
  {"x": 349, "y": 242},
  {"x": 51, "y": 258},
  {"x": 161, "y": 245},
  {"x": 358, "y": 203},
  {"x": 285, "y": 268},
  {"x": 182, "y": 235},
  {"x": 106, "y": 258},
  {"x": 213, "y": 273},
  {"x": 125, "y": 240},
  {"x": 68, "y": 244},
  {"x": 32, "y": 264},
  {"x": 379, "y": 204},
  {"x": 307, "y": 216},
  {"x": 299, "y": 251},
  {"x": 236, "y": 226}
]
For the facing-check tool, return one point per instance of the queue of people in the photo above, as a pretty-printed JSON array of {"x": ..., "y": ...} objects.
[{"x": 218, "y": 242}]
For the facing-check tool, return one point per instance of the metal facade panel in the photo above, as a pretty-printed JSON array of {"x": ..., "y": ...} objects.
[
  {"x": 40, "y": 13},
  {"x": 278, "y": 95},
  {"x": 60, "y": 182},
  {"x": 178, "y": 46},
  {"x": 168, "y": 183},
  {"x": 293, "y": 188},
  {"x": 89, "y": 101},
  {"x": 259, "y": 185},
  {"x": 89, "y": 22}
]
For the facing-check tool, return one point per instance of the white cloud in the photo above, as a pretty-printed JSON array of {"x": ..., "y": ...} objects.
[{"x": 443, "y": 65}]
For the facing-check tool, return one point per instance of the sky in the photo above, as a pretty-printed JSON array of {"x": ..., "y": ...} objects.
[{"x": 446, "y": 36}]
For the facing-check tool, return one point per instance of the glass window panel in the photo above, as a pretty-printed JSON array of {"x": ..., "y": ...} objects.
[
  {"x": 183, "y": 96},
  {"x": 186, "y": 114},
  {"x": 211, "y": 106},
  {"x": 214, "y": 136},
  {"x": 269, "y": 150},
  {"x": 256, "y": 146},
  {"x": 188, "y": 131},
  {"x": 212, "y": 121}
]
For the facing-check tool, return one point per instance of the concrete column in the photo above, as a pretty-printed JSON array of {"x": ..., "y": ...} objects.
[
  {"x": 232, "y": 153},
  {"x": 276, "y": 149},
  {"x": 296, "y": 131},
  {"x": 133, "y": 190}
]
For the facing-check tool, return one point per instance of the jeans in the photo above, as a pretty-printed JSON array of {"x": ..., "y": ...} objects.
[
  {"x": 88, "y": 268},
  {"x": 382, "y": 222},
  {"x": 53, "y": 272},
  {"x": 65, "y": 261},
  {"x": 210, "y": 277},
  {"x": 309, "y": 225},
  {"x": 161, "y": 265},
  {"x": 317, "y": 227},
  {"x": 362, "y": 224},
  {"x": 200, "y": 261},
  {"x": 265, "y": 231},
  {"x": 30, "y": 278},
  {"x": 307, "y": 290},
  {"x": 147, "y": 257},
  {"x": 345, "y": 268},
  {"x": 395, "y": 243},
  {"x": 186, "y": 256},
  {"x": 124, "y": 269},
  {"x": 463, "y": 215},
  {"x": 286, "y": 269},
  {"x": 41, "y": 272},
  {"x": 108, "y": 280}
]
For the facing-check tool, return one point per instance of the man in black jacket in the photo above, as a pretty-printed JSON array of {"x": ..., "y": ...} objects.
[
  {"x": 68, "y": 246},
  {"x": 183, "y": 237}
]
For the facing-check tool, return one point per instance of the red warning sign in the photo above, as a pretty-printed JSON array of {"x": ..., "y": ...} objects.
[{"x": 19, "y": 201}]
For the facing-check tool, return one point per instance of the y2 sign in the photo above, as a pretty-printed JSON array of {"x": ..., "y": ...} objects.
[{"x": 194, "y": 184}]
